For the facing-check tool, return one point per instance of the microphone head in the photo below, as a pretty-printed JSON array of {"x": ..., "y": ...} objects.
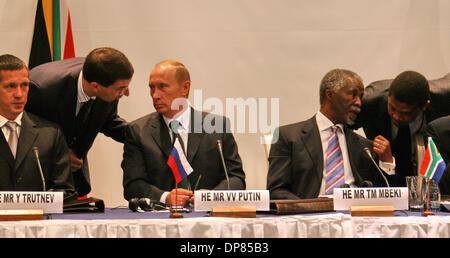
[
  {"x": 219, "y": 143},
  {"x": 133, "y": 204},
  {"x": 366, "y": 183},
  {"x": 367, "y": 151},
  {"x": 35, "y": 149},
  {"x": 145, "y": 204}
]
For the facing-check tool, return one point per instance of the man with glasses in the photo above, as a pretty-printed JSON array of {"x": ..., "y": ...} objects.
[
  {"x": 81, "y": 95},
  {"x": 399, "y": 110}
]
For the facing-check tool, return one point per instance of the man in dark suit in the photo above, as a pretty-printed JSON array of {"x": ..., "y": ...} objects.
[
  {"x": 399, "y": 110},
  {"x": 81, "y": 95},
  {"x": 313, "y": 157},
  {"x": 23, "y": 133},
  {"x": 149, "y": 141},
  {"x": 439, "y": 130}
]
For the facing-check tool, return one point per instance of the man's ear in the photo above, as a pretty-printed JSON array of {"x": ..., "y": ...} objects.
[
  {"x": 329, "y": 94},
  {"x": 186, "y": 88}
]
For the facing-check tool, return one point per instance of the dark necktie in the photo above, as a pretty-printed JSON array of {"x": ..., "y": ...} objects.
[
  {"x": 402, "y": 153},
  {"x": 83, "y": 114},
  {"x": 175, "y": 126},
  {"x": 81, "y": 121},
  {"x": 82, "y": 117}
]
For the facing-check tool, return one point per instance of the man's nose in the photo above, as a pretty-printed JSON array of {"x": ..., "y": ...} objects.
[{"x": 18, "y": 93}]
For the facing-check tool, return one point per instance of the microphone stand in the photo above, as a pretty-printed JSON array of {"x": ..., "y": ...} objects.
[{"x": 428, "y": 212}]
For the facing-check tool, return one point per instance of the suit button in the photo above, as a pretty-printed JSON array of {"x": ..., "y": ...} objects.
[{"x": 19, "y": 180}]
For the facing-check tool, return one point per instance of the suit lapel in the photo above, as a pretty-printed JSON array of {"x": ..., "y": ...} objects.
[
  {"x": 160, "y": 133},
  {"x": 5, "y": 151},
  {"x": 28, "y": 134},
  {"x": 67, "y": 107},
  {"x": 194, "y": 137},
  {"x": 311, "y": 139},
  {"x": 384, "y": 121},
  {"x": 353, "y": 150}
]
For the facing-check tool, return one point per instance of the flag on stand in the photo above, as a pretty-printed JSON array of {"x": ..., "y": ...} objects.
[
  {"x": 433, "y": 165},
  {"x": 52, "y": 24},
  {"x": 178, "y": 163}
]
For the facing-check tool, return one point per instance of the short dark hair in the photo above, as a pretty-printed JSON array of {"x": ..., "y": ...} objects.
[
  {"x": 410, "y": 87},
  {"x": 11, "y": 63},
  {"x": 107, "y": 65}
]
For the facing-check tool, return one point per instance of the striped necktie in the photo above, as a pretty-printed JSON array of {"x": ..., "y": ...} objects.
[{"x": 334, "y": 176}]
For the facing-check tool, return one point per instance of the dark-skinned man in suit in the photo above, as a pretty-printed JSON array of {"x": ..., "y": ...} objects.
[{"x": 313, "y": 157}]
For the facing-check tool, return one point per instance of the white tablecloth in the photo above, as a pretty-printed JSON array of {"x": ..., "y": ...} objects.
[{"x": 298, "y": 226}]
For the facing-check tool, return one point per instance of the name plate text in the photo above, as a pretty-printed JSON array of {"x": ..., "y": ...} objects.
[
  {"x": 344, "y": 198},
  {"x": 49, "y": 202},
  {"x": 206, "y": 200}
]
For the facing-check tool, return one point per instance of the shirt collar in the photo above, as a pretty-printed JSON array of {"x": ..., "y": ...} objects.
[
  {"x": 323, "y": 123},
  {"x": 18, "y": 120},
  {"x": 184, "y": 118},
  {"x": 82, "y": 96}
]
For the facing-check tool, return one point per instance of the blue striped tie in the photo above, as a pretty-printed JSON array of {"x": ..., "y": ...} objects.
[{"x": 334, "y": 176}]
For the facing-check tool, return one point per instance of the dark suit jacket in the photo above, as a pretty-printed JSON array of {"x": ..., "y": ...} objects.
[
  {"x": 22, "y": 173},
  {"x": 296, "y": 161},
  {"x": 439, "y": 130},
  {"x": 147, "y": 148},
  {"x": 374, "y": 117},
  {"x": 53, "y": 95}
]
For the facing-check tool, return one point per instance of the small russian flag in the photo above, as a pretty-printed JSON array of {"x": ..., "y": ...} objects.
[{"x": 178, "y": 163}]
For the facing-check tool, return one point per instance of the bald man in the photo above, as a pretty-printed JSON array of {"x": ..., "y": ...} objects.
[{"x": 149, "y": 141}]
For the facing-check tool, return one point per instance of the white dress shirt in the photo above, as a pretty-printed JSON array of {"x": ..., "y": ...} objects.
[
  {"x": 82, "y": 97},
  {"x": 5, "y": 130}
]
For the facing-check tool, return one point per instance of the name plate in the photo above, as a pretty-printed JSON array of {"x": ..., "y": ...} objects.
[
  {"x": 206, "y": 200},
  {"x": 49, "y": 202},
  {"x": 344, "y": 198}
]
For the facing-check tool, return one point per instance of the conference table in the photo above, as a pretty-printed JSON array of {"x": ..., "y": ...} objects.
[{"x": 124, "y": 223}]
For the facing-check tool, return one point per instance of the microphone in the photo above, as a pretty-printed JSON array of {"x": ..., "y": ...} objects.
[
  {"x": 36, "y": 154},
  {"x": 146, "y": 204},
  {"x": 219, "y": 146},
  {"x": 366, "y": 183},
  {"x": 367, "y": 151}
]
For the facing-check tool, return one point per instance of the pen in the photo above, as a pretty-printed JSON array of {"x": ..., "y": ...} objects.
[{"x": 198, "y": 181}]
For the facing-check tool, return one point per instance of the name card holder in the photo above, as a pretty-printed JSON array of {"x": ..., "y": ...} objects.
[
  {"x": 377, "y": 201},
  {"x": 238, "y": 204},
  {"x": 29, "y": 205},
  {"x": 37, "y": 214}
]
